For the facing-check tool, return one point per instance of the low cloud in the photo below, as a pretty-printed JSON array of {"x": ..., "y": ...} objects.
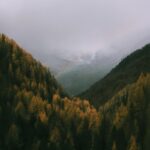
[{"x": 73, "y": 28}]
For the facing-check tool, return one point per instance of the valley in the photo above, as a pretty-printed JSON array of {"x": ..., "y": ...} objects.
[{"x": 36, "y": 113}]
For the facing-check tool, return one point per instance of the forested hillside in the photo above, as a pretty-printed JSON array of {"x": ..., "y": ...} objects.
[
  {"x": 35, "y": 116},
  {"x": 126, "y": 72},
  {"x": 126, "y": 117},
  {"x": 20, "y": 71}
]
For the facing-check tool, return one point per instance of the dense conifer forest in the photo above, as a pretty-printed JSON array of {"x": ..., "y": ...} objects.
[{"x": 36, "y": 114}]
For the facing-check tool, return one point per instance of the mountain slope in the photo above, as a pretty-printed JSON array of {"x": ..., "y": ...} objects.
[
  {"x": 82, "y": 76},
  {"x": 126, "y": 118},
  {"x": 20, "y": 71},
  {"x": 33, "y": 113},
  {"x": 126, "y": 72}
]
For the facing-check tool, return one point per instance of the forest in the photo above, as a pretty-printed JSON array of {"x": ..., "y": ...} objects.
[{"x": 36, "y": 113}]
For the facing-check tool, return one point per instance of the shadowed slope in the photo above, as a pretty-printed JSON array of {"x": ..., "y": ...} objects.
[{"x": 126, "y": 72}]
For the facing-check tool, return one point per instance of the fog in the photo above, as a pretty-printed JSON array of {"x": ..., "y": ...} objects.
[{"x": 76, "y": 30}]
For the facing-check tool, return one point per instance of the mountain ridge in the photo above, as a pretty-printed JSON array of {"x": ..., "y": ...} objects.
[
  {"x": 126, "y": 72},
  {"x": 18, "y": 66}
]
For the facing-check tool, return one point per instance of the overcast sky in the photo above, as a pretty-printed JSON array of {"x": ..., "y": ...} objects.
[{"x": 70, "y": 28}]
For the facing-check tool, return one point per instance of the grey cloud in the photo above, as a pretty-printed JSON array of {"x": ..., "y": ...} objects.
[{"x": 70, "y": 28}]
